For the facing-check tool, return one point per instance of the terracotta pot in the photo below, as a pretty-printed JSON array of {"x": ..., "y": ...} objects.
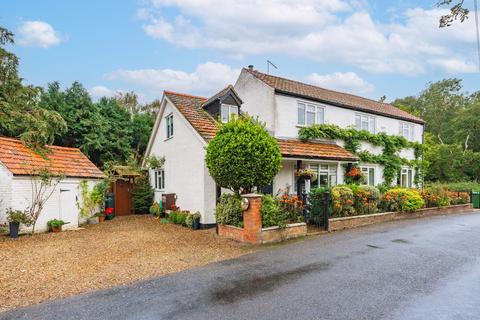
[
  {"x": 56, "y": 229},
  {"x": 101, "y": 218}
]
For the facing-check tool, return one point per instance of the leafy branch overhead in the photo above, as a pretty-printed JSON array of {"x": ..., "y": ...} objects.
[{"x": 457, "y": 12}]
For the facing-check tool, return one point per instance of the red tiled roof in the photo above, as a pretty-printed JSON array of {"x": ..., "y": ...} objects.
[
  {"x": 204, "y": 124},
  {"x": 191, "y": 109},
  {"x": 21, "y": 160},
  {"x": 346, "y": 100},
  {"x": 314, "y": 150}
]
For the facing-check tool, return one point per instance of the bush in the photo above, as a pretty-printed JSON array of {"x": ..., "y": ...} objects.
[
  {"x": 458, "y": 197},
  {"x": 405, "y": 200},
  {"x": 292, "y": 206},
  {"x": 342, "y": 201},
  {"x": 55, "y": 223},
  {"x": 366, "y": 199},
  {"x": 272, "y": 213},
  {"x": 243, "y": 155},
  {"x": 155, "y": 209},
  {"x": 466, "y": 186},
  {"x": 18, "y": 216},
  {"x": 142, "y": 195},
  {"x": 229, "y": 210},
  {"x": 179, "y": 217}
]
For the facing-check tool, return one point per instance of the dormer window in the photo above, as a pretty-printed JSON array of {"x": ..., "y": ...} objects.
[{"x": 227, "y": 111}]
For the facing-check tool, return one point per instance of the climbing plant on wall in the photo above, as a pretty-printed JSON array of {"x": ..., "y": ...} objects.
[{"x": 391, "y": 146}]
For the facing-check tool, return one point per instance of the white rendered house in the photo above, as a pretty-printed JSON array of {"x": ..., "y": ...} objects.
[{"x": 186, "y": 123}]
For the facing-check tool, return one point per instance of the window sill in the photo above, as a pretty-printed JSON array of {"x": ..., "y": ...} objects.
[
  {"x": 159, "y": 190},
  {"x": 170, "y": 138}
]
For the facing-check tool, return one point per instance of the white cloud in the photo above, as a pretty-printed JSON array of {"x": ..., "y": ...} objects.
[
  {"x": 101, "y": 91},
  {"x": 38, "y": 34},
  {"x": 341, "y": 81},
  {"x": 337, "y": 31},
  {"x": 206, "y": 79}
]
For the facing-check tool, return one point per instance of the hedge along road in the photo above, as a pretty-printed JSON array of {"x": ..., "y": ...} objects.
[{"x": 415, "y": 269}]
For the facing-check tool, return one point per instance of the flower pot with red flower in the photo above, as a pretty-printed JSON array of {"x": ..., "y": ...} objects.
[{"x": 109, "y": 213}]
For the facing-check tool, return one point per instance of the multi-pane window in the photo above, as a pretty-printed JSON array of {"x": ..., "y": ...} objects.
[
  {"x": 369, "y": 174},
  {"x": 227, "y": 111},
  {"x": 406, "y": 178},
  {"x": 309, "y": 114},
  {"x": 406, "y": 130},
  {"x": 325, "y": 176},
  {"x": 159, "y": 179},
  {"x": 169, "y": 125},
  {"x": 365, "y": 122}
]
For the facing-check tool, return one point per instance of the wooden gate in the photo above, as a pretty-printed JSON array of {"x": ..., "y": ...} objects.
[{"x": 123, "y": 197}]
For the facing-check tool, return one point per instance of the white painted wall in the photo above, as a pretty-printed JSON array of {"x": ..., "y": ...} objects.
[
  {"x": 258, "y": 98},
  {"x": 21, "y": 194},
  {"x": 286, "y": 126},
  {"x": 5, "y": 191},
  {"x": 185, "y": 172}
]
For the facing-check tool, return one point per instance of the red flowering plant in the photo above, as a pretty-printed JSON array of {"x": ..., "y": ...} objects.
[
  {"x": 353, "y": 175},
  {"x": 293, "y": 206},
  {"x": 173, "y": 207}
]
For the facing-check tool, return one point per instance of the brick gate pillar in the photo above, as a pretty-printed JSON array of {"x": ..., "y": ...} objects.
[{"x": 252, "y": 219}]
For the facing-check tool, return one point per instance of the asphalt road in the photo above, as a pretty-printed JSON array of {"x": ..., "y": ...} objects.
[{"x": 415, "y": 269}]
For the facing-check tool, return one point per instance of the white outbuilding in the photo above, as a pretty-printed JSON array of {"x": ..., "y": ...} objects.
[{"x": 19, "y": 167}]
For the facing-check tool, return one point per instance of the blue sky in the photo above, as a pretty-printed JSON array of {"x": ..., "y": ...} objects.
[{"x": 371, "y": 48}]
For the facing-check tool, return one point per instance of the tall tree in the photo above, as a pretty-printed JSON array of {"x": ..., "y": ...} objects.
[{"x": 20, "y": 115}]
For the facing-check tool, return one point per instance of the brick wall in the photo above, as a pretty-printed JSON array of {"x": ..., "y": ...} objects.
[{"x": 253, "y": 232}]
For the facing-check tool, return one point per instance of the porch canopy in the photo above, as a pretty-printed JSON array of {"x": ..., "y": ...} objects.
[{"x": 297, "y": 149}]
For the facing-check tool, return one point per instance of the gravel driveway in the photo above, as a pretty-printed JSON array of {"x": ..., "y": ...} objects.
[{"x": 121, "y": 251}]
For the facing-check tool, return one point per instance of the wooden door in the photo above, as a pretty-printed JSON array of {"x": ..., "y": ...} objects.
[{"x": 123, "y": 198}]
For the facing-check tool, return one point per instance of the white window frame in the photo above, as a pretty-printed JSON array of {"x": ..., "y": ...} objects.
[
  {"x": 169, "y": 126},
  {"x": 366, "y": 170},
  {"x": 309, "y": 107},
  {"x": 331, "y": 172},
  {"x": 369, "y": 120},
  {"x": 232, "y": 110},
  {"x": 406, "y": 172},
  {"x": 159, "y": 179},
  {"x": 406, "y": 130}
]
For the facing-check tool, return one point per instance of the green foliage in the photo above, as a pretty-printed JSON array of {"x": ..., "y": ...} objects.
[
  {"x": 155, "y": 209},
  {"x": 142, "y": 195},
  {"x": 55, "y": 223},
  {"x": 179, "y": 217},
  {"x": 92, "y": 200},
  {"x": 400, "y": 199},
  {"x": 154, "y": 162},
  {"x": 229, "y": 210},
  {"x": 20, "y": 113},
  {"x": 457, "y": 186},
  {"x": 18, "y": 216},
  {"x": 272, "y": 213},
  {"x": 342, "y": 201},
  {"x": 391, "y": 146},
  {"x": 366, "y": 199},
  {"x": 191, "y": 218},
  {"x": 243, "y": 155}
]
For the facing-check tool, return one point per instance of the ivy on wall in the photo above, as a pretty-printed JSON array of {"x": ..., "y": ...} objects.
[{"x": 391, "y": 146}]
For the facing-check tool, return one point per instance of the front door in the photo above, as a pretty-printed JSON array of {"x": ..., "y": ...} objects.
[
  {"x": 68, "y": 204},
  {"x": 123, "y": 198}
]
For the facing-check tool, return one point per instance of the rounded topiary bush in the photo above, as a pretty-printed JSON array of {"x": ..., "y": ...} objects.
[{"x": 243, "y": 155}]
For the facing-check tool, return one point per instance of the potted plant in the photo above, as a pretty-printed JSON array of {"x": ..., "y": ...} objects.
[
  {"x": 155, "y": 209},
  {"x": 101, "y": 216},
  {"x": 109, "y": 213},
  {"x": 306, "y": 174},
  {"x": 56, "y": 225},
  {"x": 15, "y": 218},
  {"x": 196, "y": 220}
]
